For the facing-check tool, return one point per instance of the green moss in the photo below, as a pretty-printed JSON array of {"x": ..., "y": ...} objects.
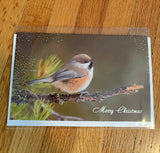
[{"x": 26, "y": 112}]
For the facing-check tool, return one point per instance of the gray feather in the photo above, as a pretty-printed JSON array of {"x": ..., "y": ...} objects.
[
  {"x": 65, "y": 74},
  {"x": 61, "y": 75},
  {"x": 44, "y": 80}
]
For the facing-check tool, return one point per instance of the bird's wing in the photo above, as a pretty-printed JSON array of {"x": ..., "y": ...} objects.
[{"x": 65, "y": 74}]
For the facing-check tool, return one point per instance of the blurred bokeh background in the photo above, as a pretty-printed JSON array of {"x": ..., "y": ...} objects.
[{"x": 118, "y": 61}]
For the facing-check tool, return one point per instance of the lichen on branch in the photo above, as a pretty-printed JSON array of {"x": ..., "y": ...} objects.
[{"x": 27, "y": 96}]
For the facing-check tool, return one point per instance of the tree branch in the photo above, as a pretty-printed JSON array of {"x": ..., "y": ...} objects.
[
  {"x": 27, "y": 96},
  {"x": 63, "y": 117}
]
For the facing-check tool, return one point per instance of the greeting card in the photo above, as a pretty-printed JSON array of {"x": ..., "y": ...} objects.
[{"x": 60, "y": 79}]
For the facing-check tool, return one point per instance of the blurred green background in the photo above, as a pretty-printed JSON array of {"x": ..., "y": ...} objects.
[{"x": 118, "y": 61}]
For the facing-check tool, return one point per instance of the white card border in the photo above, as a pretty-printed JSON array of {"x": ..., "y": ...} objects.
[
  {"x": 141, "y": 124},
  {"x": 11, "y": 79}
]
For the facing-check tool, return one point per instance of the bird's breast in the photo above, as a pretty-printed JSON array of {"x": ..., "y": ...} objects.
[{"x": 74, "y": 85}]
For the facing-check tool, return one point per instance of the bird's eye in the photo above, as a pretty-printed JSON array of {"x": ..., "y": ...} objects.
[{"x": 86, "y": 61}]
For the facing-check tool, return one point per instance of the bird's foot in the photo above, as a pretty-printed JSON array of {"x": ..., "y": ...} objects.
[
  {"x": 82, "y": 93},
  {"x": 68, "y": 94}
]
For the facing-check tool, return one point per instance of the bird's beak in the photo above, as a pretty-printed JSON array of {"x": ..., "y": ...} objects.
[{"x": 92, "y": 60}]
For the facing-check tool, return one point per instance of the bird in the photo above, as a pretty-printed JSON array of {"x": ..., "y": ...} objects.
[{"x": 74, "y": 77}]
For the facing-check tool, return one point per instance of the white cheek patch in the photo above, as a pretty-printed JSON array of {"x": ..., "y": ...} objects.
[{"x": 85, "y": 65}]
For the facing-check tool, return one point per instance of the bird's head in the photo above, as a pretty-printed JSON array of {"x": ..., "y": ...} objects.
[{"x": 83, "y": 61}]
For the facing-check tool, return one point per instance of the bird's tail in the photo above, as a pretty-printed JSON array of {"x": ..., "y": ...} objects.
[{"x": 44, "y": 80}]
